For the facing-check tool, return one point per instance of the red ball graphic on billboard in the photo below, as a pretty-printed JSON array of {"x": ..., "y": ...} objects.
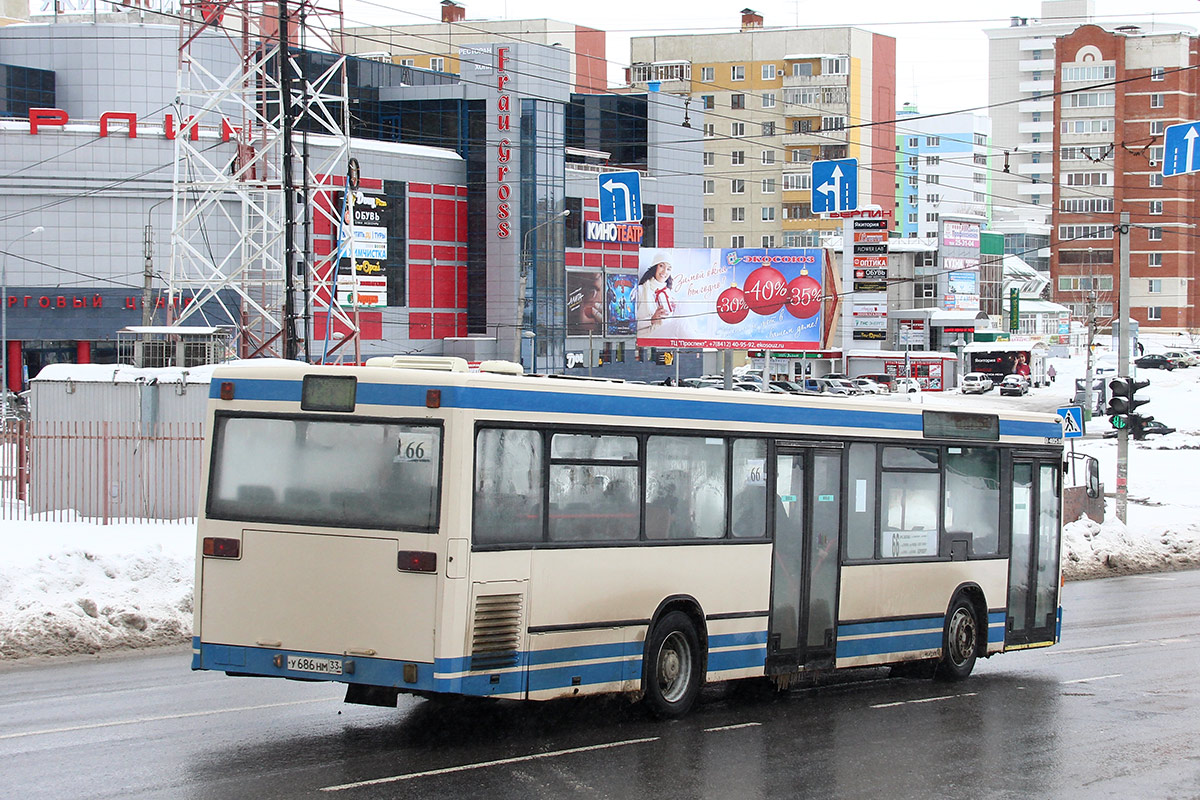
[
  {"x": 731, "y": 305},
  {"x": 803, "y": 296},
  {"x": 766, "y": 291}
]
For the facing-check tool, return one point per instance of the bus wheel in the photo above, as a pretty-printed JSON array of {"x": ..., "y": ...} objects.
[
  {"x": 671, "y": 677},
  {"x": 959, "y": 642}
]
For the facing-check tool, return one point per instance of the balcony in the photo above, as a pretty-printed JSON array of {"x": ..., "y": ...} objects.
[
  {"x": 1035, "y": 106},
  {"x": 1045, "y": 190},
  {"x": 816, "y": 138},
  {"x": 1036, "y": 44},
  {"x": 1040, "y": 65},
  {"x": 797, "y": 81},
  {"x": 1036, "y": 86},
  {"x": 1046, "y": 126},
  {"x": 1037, "y": 147},
  {"x": 1044, "y": 168}
]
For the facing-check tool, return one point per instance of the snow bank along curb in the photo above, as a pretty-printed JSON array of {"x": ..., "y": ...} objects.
[{"x": 1100, "y": 550}]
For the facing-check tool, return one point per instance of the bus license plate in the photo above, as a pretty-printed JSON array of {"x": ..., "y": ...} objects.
[{"x": 325, "y": 666}]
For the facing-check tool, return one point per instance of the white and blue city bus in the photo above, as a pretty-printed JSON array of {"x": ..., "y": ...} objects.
[{"x": 410, "y": 526}]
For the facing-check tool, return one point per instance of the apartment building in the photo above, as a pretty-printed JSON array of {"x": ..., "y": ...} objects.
[
  {"x": 775, "y": 100},
  {"x": 439, "y": 46},
  {"x": 1120, "y": 90},
  {"x": 943, "y": 166}
]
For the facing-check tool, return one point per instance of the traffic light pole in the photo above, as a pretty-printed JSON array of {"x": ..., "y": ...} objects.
[{"x": 1122, "y": 231}]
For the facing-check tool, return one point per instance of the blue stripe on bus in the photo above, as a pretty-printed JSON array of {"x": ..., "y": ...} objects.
[
  {"x": 646, "y": 407},
  {"x": 899, "y": 643},
  {"x": 890, "y": 626}
]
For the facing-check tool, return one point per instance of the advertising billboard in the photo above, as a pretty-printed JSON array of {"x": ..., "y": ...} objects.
[
  {"x": 619, "y": 299},
  {"x": 585, "y": 303},
  {"x": 738, "y": 299}
]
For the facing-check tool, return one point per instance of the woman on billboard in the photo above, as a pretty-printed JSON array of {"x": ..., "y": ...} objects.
[{"x": 655, "y": 303}]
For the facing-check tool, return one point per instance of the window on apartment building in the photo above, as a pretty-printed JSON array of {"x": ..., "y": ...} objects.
[
  {"x": 710, "y": 187},
  {"x": 1154, "y": 259},
  {"x": 408, "y": 62},
  {"x": 1154, "y": 313},
  {"x": 709, "y": 101},
  {"x": 737, "y": 186},
  {"x": 802, "y": 70},
  {"x": 1156, "y": 206},
  {"x": 768, "y": 72},
  {"x": 1088, "y": 179},
  {"x": 768, "y": 186},
  {"x": 737, "y": 214},
  {"x": 768, "y": 213},
  {"x": 801, "y": 157},
  {"x": 933, "y": 141},
  {"x": 914, "y": 161},
  {"x": 797, "y": 181},
  {"x": 737, "y": 101},
  {"x": 737, "y": 241},
  {"x": 768, "y": 242},
  {"x": 437, "y": 64},
  {"x": 710, "y": 129},
  {"x": 933, "y": 198},
  {"x": 833, "y": 123},
  {"x": 1154, "y": 234},
  {"x": 1154, "y": 286},
  {"x": 835, "y": 66},
  {"x": 737, "y": 158},
  {"x": 710, "y": 159},
  {"x": 709, "y": 242},
  {"x": 1157, "y": 126},
  {"x": 1090, "y": 72},
  {"x": 932, "y": 179},
  {"x": 802, "y": 125},
  {"x": 707, "y": 74},
  {"x": 797, "y": 211},
  {"x": 1076, "y": 232},
  {"x": 737, "y": 73},
  {"x": 931, "y": 216},
  {"x": 931, "y": 161},
  {"x": 1157, "y": 100},
  {"x": 768, "y": 156},
  {"x": 914, "y": 141},
  {"x": 1158, "y": 73},
  {"x": 981, "y": 140},
  {"x": 978, "y": 197},
  {"x": 1090, "y": 99},
  {"x": 912, "y": 218},
  {"x": 912, "y": 199},
  {"x": 1156, "y": 155},
  {"x": 710, "y": 214},
  {"x": 914, "y": 180},
  {"x": 979, "y": 159},
  {"x": 768, "y": 129},
  {"x": 768, "y": 100},
  {"x": 737, "y": 129}
]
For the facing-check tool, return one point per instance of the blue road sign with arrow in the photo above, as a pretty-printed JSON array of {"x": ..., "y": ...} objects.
[
  {"x": 835, "y": 185},
  {"x": 1180, "y": 153},
  {"x": 620, "y": 196}
]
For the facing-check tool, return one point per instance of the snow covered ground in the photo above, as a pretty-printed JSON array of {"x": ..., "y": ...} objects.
[{"x": 79, "y": 587}]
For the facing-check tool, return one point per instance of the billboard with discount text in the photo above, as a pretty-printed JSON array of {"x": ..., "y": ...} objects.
[{"x": 738, "y": 299}]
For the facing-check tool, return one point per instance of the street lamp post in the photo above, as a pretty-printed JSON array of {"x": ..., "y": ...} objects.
[
  {"x": 4, "y": 308},
  {"x": 525, "y": 264}
]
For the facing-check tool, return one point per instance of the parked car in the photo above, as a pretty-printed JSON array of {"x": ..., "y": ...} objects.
[
  {"x": 825, "y": 386},
  {"x": 886, "y": 381},
  {"x": 906, "y": 386},
  {"x": 1183, "y": 358},
  {"x": 790, "y": 386},
  {"x": 1014, "y": 384},
  {"x": 837, "y": 376},
  {"x": 1154, "y": 361},
  {"x": 976, "y": 383},
  {"x": 869, "y": 386},
  {"x": 846, "y": 384},
  {"x": 1148, "y": 427}
]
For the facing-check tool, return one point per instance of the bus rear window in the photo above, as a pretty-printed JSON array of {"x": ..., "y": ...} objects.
[{"x": 322, "y": 472}]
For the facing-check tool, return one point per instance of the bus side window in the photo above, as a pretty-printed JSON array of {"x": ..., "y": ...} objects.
[{"x": 508, "y": 487}]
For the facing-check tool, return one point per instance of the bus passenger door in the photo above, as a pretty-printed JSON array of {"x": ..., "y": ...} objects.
[
  {"x": 1033, "y": 565},
  {"x": 806, "y": 525}
]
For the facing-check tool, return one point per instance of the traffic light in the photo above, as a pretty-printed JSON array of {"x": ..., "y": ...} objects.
[{"x": 1122, "y": 404}]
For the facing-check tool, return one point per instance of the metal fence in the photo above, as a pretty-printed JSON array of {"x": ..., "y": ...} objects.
[{"x": 102, "y": 471}]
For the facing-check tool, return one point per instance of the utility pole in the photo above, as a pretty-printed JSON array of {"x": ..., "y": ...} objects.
[
  {"x": 1089, "y": 402},
  {"x": 1122, "y": 231}
]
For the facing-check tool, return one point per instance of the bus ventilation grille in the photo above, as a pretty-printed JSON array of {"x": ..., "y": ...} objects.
[{"x": 496, "y": 636}]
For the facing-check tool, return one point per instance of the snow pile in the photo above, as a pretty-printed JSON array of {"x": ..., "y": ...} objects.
[
  {"x": 1095, "y": 550},
  {"x": 72, "y": 588}
]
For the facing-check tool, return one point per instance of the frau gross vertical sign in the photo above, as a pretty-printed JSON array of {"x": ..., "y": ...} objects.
[{"x": 504, "y": 146}]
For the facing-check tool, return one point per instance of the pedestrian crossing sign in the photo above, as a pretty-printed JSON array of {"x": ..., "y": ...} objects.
[{"x": 1072, "y": 421}]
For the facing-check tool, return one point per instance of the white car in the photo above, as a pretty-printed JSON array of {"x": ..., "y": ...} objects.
[
  {"x": 1185, "y": 358},
  {"x": 868, "y": 386},
  {"x": 976, "y": 383},
  {"x": 906, "y": 386}
]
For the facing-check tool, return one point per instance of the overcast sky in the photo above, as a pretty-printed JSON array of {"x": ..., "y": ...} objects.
[{"x": 941, "y": 58}]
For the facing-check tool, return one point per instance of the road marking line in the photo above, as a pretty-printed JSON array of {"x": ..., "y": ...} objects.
[
  {"x": 1099, "y": 647},
  {"x": 1097, "y": 678},
  {"x": 137, "y": 720},
  {"x": 483, "y": 764},
  {"x": 924, "y": 700},
  {"x": 733, "y": 727}
]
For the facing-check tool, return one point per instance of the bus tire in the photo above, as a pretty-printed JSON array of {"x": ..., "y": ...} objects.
[
  {"x": 960, "y": 642},
  {"x": 671, "y": 675}
]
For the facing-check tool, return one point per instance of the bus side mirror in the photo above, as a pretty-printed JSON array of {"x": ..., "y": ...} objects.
[{"x": 1093, "y": 477}]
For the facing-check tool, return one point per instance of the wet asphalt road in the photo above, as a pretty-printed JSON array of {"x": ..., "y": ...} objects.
[{"x": 1110, "y": 712}]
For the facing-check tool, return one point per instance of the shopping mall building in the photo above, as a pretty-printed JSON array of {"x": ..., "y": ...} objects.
[{"x": 474, "y": 171}]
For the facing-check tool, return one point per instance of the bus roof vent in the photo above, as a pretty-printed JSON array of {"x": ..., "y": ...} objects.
[
  {"x": 501, "y": 367},
  {"x": 439, "y": 363}
]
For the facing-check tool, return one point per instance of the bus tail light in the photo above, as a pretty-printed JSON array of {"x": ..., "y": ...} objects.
[
  {"x": 222, "y": 548},
  {"x": 416, "y": 561},
  {"x": 226, "y": 390}
]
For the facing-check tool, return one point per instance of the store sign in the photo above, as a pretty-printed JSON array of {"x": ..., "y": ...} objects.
[
  {"x": 869, "y": 336},
  {"x": 624, "y": 233},
  {"x": 865, "y": 267},
  {"x": 53, "y": 118},
  {"x": 504, "y": 147},
  {"x": 872, "y": 274}
]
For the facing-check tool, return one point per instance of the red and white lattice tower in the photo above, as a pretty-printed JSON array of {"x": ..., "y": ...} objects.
[{"x": 235, "y": 231}]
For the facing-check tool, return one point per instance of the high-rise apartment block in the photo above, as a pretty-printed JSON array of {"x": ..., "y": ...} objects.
[
  {"x": 1119, "y": 91},
  {"x": 942, "y": 168},
  {"x": 774, "y": 100}
]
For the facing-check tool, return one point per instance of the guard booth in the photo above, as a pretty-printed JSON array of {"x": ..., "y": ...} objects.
[{"x": 152, "y": 346}]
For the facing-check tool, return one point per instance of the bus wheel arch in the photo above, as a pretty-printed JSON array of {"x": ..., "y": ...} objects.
[
  {"x": 674, "y": 661},
  {"x": 964, "y": 636}
]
